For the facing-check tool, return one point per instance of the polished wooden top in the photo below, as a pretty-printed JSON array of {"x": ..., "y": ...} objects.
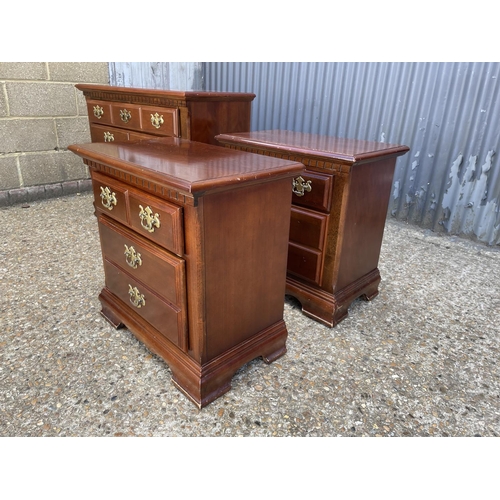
[
  {"x": 111, "y": 92},
  {"x": 194, "y": 167},
  {"x": 320, "y": 146}
]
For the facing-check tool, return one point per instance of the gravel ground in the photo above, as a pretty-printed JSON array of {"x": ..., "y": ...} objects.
[{"x": 421, "y": 359}]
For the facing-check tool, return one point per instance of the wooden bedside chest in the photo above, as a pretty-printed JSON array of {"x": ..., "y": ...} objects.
[
  {"x": 194, "y": 240},
  {"x": 123, "y": 114},
  {"x": 338, "y": 215}
]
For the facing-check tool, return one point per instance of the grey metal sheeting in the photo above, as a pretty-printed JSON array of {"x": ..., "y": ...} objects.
[{"x": 447, "y": 113}]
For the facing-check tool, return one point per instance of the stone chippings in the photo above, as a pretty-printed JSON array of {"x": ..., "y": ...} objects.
[{"x": 421, "y": 359}]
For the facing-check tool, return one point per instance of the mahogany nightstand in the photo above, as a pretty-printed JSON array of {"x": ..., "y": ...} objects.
[
  {"x": 338, "y": 215},
  {"x": 194, "y": 240},
  {"x": 123, "y": 114}
]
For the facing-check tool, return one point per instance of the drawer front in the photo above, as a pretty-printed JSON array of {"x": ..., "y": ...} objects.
[
  {"x": 138, "y": 136},
  {"x": 126, "y": 115},
  {"x": 308, "y": 228},
  {"x": 313, "y": 190},
  {"x": 168, "y": 319},
  {"x": 152, "y": 218},
  {"x": 158, "y": 221},
  {"x": 99, "y": 133},
  {"x": 163, "y": 272},
  {"x": 99, "y": 112},
  {"x": 160, "y": 121},
  {"x": 110, "y": 197},
  {"x": 304, "y": 262}
]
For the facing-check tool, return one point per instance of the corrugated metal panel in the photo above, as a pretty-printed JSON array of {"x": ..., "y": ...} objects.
[
  {"x": 157, "y": 75},
  {"x": 447, "y": 113}
]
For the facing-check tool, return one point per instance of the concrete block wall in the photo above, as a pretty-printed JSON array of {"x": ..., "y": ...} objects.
[{"x": 41, "y": 114}]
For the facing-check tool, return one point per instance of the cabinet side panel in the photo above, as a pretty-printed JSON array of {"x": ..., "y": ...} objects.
[
  {"x": 246, "y": 239},
  {"x": 365, "y": 215},
  {"x": 208, "y": 119}
]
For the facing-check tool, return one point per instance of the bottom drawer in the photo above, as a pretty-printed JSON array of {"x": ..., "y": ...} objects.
[
  {"x": 163, "y": 272},
  {"x": 167, "y": 318},
  {"x": 304, "y": 262}
]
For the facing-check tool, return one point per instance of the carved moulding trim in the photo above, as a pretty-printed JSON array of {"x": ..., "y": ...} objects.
[
  {"x": 162, "y": 191},
  {"x": 305, "y": 160},
  {"x": 134, "y": 99}
]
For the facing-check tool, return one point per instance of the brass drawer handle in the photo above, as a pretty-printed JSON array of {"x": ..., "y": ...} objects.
[
  {"x": 125, "y": 115},
  {"x": 136, "y": 297},
  {"x": 156, "y": 120},
  {"x": 108, "y": 199},
  {"x": 300, "y": 185},
  {"x": 132, "y": 258},
  {"x": 98, "y": 112},
  {"x": 108, "y": 137},
  {"x": 148, "y": 220}
]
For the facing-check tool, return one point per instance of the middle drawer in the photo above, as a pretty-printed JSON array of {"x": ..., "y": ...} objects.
[
  {"x": 162, "y": 271},
  {"x": 308, "y": 227}
]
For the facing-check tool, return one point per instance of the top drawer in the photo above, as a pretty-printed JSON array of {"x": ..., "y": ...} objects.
[
  {"x": 126, "y": 115},
  {"x": 313, "y": 190},
  {"x": 156, "y": 220},
  {"x": 153, "y": 218},
  {"x": 149, "y": 119},
  {"x": 160, "y": 121},
  {"x": 99, "y": 112}
]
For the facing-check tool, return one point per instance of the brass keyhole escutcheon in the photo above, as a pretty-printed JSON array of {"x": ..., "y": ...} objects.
[
  {"x": 136, "y": 297},
  {"x": 157, "y": 120},
  {"x": 149, "y": 221},
  {"x": 108, "y": 137},
  {"x": 300, "y": 186},
  {"x": 132, "y": 257},
  {"x": 108, "y": 199},
  {"x": 125, "y": 115},
  {"x": 98, "y": 112}
]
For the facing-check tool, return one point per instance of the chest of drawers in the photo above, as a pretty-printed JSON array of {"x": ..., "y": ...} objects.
[
  {"x": 194, "y": 240},
  {"x": 337, "y": 218},
  {"x": 124, "y": 114}
]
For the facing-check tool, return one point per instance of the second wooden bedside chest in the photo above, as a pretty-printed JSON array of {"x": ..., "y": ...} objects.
[
  {"x": 124, "y": 114},
  {"x": 194, "y": 240},
  {"x": 338, "y": 216}
]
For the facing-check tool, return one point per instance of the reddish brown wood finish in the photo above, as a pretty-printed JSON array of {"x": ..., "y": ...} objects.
[
  {"x": 212, "y": 275},
  {"x": 197, "y": 116},
  {"x": 350, "y": 187}
]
